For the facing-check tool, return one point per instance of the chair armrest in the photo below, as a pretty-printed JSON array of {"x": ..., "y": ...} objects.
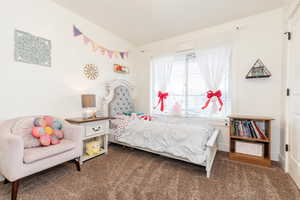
[
  {"x": 73, "y": 132},
  {"x": 11, "y": 155}
]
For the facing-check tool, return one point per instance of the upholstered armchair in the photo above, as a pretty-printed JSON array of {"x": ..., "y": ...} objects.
[{"x": 18, "y": 161}]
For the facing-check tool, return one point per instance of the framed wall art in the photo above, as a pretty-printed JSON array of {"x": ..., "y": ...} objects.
[
  {"x": 121, "y": 69},
  {"x": 32, "y": 49}
]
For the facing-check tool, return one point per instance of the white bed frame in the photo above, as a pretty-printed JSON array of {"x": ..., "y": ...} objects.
[{"x": 211, "y": 144}]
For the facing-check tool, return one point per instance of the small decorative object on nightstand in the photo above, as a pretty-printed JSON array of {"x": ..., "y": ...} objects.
[{"x": 95, "y": 135}]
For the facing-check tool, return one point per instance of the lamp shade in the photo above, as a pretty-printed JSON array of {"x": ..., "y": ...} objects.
[{"x": 88, "y": 100}]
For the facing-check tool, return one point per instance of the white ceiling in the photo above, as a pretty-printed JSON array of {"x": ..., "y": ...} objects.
[{"x": 145, "y": 21}]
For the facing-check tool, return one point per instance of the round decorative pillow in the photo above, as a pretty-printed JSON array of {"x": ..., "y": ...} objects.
[
  {"x": 39, "y": 122},
  {"x": 38, "y": 132},
  {"x": 59, "y": 133},
  {"x": 49, "y": 120},
  {"x": 57, "y": 124},
  {"x": 54, "y": 140},
  {"x": 49, "y": 130},
  {"x": 45, "y": 140}
]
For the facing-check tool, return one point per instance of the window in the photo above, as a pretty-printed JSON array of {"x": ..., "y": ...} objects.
[{"x": 187, "y": 77}]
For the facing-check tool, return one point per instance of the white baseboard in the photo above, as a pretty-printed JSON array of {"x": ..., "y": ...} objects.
[{"x": 282, "y": 162}]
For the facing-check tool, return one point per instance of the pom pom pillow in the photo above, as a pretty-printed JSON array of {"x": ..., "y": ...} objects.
[
  {"x": 39, "y": 122},
  {"x": 48, "y": 130}
]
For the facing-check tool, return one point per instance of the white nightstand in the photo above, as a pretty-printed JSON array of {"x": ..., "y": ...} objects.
[{"x": 95, "y": 129}]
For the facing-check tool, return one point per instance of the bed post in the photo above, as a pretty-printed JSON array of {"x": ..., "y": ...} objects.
[{"x": 212, "y": 150}]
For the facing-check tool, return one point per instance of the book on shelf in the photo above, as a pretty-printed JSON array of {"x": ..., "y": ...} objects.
[
  {"x": 252, "y": 130},
  {"x": 247, "y": 128}
]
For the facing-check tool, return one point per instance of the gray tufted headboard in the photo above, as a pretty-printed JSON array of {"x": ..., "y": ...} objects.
[{"x": 122, "y": 102}]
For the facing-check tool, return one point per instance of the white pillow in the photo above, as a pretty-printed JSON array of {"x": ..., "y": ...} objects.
[{"x": 23, "y": 128}]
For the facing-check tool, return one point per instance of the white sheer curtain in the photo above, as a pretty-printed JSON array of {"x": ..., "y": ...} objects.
[
  {"x": 162, "y": 71},
  {"x": 214, "y": 65}
]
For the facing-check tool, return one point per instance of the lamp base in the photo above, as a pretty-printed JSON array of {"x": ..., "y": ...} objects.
[{"x": 88, "y": 114}]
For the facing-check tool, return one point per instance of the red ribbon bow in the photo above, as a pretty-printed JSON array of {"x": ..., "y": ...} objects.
[
  {"x": 162, "y": 97},
  {"x": 210, "y": 95}
]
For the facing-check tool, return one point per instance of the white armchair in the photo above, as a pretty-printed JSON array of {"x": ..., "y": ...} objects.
[{"x": 17, "y": 162}]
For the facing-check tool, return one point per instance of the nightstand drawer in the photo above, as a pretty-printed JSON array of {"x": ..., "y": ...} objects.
[{"x": 95, "y": 128}]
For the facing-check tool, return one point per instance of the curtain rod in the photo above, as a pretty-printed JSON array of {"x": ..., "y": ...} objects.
[{"x": 181, "y": 51}]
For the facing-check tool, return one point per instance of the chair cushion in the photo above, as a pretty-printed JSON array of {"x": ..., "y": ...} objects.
[{"x": 38, "y": 153}]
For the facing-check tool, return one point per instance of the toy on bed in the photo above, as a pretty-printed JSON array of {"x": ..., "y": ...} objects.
[
  {"x": 177, "y": 110},
  {"x": 138, "y": 115},
  {"x": 48, "y": 130},
  {"x": 146, "y": 117}
]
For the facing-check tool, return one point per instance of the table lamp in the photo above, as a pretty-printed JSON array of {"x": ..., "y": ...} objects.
[{"x": 88, "y": 102}]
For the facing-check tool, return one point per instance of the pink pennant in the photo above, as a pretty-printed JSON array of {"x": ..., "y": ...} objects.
[
  {"x": 110, "y": 53},
  {"x": 86, "y": 39},
  {"x": 126, "y": 54}
]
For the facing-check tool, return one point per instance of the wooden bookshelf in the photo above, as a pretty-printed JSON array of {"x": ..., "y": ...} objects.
[
  {"x": 265, "y": 122},
  {"x": 250, "y": 139}
]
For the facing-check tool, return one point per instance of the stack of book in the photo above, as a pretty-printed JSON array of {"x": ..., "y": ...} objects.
[{"x": 247, "y": 128}]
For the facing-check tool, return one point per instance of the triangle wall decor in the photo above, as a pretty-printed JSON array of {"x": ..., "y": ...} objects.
[{"x": 258, "y": 70}]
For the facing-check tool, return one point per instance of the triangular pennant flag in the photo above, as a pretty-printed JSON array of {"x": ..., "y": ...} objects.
[
  {"x": 116, "y": 54},
  {"x": 126, "y": 54},
  {"x": 94, "y": 46},
  {"x": 122, "y": 54},
  {"x": 86, "y": 39},
  {"x": 110, "y": 53},
  {"x": 103, "y": 50},
  {"x": 76, "y": 31}
]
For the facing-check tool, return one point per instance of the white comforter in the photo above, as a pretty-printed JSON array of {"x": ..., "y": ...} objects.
[{"x": 179, "y": 139}]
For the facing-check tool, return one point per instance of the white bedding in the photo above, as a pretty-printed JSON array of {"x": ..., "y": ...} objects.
[{"x": 179, "y": 139}]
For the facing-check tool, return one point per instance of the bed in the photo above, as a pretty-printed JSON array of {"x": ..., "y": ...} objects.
[{"x": 173, "y": 138}]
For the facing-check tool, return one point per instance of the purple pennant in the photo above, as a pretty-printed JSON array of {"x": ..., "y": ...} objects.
[
  {"x": 76, "y": 31},
  {"x": 122, "y": 54}
]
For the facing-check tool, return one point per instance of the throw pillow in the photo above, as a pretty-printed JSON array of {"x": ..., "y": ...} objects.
[
  {"x": 49, "y": 130},
  {"x": 23, "y": 128}
]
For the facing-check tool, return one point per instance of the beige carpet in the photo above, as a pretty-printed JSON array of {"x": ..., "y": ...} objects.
[{"x": 126, "y": 174}]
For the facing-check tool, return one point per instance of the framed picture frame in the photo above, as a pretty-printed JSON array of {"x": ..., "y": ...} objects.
[
  {"x": 32, "y": 49},
  {"x": 121, "y": 69}
]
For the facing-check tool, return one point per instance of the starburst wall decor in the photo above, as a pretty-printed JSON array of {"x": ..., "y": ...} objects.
[{"x": 91, "y": 71}]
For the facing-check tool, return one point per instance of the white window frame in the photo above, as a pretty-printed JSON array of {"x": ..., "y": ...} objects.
[{"x": 154, "y": 99}]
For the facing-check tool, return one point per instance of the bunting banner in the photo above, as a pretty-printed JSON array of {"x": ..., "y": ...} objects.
[
  {"x": 96, "y": 47},
  {"x": 86, "y": 39}
]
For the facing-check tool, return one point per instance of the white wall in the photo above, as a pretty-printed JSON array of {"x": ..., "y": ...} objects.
[
  {"x": 27, "y": 89},
  {"x": 31, "y": 89},
  {"x": 260, "y": 36}
]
